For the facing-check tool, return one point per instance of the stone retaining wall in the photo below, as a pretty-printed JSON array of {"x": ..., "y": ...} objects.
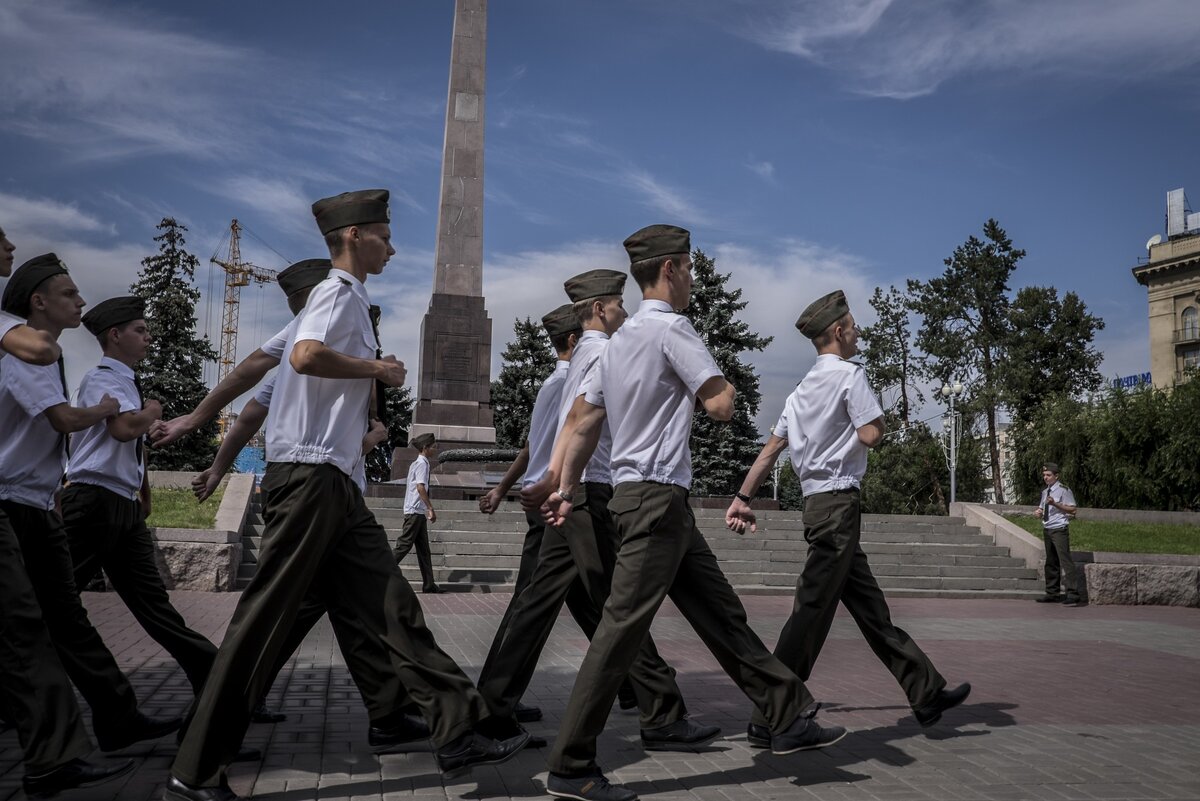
[
  {"x": 204, "y": 559},
  {"x": 1111, "y": 578}
]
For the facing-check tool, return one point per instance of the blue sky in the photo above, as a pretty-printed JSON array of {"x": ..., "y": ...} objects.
[{"x": 808, "y": 145}]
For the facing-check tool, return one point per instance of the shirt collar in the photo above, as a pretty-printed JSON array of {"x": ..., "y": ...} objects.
[
  {"x": 357, "y": 286},
  {"x": 117, "y": 367},
  {"x": 649, "y": 304},
  {"x": 561, "y": 367},
  {"x": 591, "y": 333}
]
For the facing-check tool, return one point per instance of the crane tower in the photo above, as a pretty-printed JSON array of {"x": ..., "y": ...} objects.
[{"x": 238, "y": 274}]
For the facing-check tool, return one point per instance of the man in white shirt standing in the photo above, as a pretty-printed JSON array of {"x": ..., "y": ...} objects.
[
  {"x": 830, "y": 421},
  {"x": 649, "y": 380},
  {"x": 319, "y": 531},
  {"x": 1055, "y": 510},
  {"x": 35, "y": 692},
  {"x": 419, "y": 512}
]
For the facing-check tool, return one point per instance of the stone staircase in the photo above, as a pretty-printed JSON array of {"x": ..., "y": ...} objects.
[
  {"x": 914, "y": 556},
  {"x": 252, "y": 531}
]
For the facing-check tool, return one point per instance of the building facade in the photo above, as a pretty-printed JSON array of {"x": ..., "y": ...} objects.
[{"x": 1171, "y": 276}]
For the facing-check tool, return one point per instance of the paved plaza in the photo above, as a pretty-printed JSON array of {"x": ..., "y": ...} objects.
[{"x": 1090, "y": 703}]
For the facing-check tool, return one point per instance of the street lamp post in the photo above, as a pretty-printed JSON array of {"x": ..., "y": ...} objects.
[{"x": 952, "y": 392}]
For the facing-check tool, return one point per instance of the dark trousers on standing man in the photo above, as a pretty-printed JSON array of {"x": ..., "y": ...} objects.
[
  {"x": 575, "y": 566},
  {"x": 837, "y": 570},
  {"x": 82, "y": 652},
  {"x": 108, "y": 532},
  {"x": 416, "y": 534},
  {"x": 663, "y": 554},
  {"x": 1061, "y": 570},
  {"x": 319, "y": 536},
  {"x": 35, "y": 693}
]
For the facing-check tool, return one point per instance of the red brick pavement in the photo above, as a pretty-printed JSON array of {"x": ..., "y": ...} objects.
[{"x": 1096, "y": 702}]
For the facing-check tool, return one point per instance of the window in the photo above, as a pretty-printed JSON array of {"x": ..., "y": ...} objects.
[
  {"x": 1190, "y": 320},
  {"x": 1191, "y": 358}
]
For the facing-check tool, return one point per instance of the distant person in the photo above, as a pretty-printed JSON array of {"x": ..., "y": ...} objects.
[
  {"x": 419, "y": 513},
  {"x": 829, "y": 422},
  {"x": 1055, "y": 510}
]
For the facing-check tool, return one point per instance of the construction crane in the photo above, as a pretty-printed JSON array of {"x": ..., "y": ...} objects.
[{"x": 238, "y": 274}]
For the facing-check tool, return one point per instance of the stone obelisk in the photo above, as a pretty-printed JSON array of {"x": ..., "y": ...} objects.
[{"x": 454, "y": 385}]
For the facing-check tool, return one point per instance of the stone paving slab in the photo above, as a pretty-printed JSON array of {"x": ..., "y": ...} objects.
[{"x": 1087, "y": 703}]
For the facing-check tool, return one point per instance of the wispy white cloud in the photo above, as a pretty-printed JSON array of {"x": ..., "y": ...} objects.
[
  {"x": 763, "y": 169},
  {"x": 907, "y": 48},
  {"x": 43, "y": 215}
]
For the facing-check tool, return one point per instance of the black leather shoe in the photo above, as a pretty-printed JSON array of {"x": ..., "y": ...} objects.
[
  {"x": 1049, "y": 599},
  {"x": 931, "y": 713},
  {"x": 587, "y": 788},
  {"x": 262, "y": 714},
  {"x": 527, "y": 714},
  {"x": 626, "y": 697},
  {"x": 405, "y": 730},
  {"x": 805, "y": 734},
  {"x": 73, "y": 774},
  {"x": 472, "y": 750},
  {"x": 1075, "y": 602},
  {"x": 136, "y": 728},
  {"x": 432, "y": 589},
  {"x": 178, "y": 791},
  {"x": 759, "y": 736},
  {"x": 682, "y": 735}
]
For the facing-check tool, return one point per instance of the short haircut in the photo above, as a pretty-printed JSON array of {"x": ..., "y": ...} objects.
[
  {"x": 646, "y": 271},
  {"x": 335, "y": 242},
  {"x": 585, "y": 310},
  {"x": 825, "y": 338},
  {"x": 562, "y": 342},
  {"x": 102, "y": 337}
]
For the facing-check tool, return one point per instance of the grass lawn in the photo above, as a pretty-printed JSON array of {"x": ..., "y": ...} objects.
[
  {"x": 1117, "y": 537},
  {"x": 177, "y": 508}
]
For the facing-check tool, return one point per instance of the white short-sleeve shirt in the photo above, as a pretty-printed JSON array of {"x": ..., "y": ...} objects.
[
  {"x": 324, "y": 419},
  {"x": 32, "y": 454},
  {"x": 542, "y": 424},
  {"x": 587, "y": 355},
  {"x": 820, "y": 421},
  {"x": 7, "y": 323},
  {"x": 96, "y": 457},
  {"x": 647, "y": 381},
  {"x": 274, "y": 346},
  {"x": 1056, "y": 518},
  {"x": 418, "y": 473}
]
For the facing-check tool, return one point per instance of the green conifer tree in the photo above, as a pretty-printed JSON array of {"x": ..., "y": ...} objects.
[
  {"x": 526, "y": 362},
  {"x": 173, "y": 370},
  {"x": 723, "y": 452},
  {"x": 399, "y": 417}
]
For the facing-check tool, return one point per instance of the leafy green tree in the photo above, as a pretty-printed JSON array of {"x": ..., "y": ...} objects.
[
  {"x": 1049, "y": 351},
  {"x": 173, "y": 370},
  {"x": 527, "y": 361},
  {"x": 965, "y": 326},
  {"x": 399, "y": 417},
  {"x": 723, "y": 452},
  {"x": 888, "y": 352}
]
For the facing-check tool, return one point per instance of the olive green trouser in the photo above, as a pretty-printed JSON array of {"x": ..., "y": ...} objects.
[
  {"x": 319, "y": 534},
  {"x": 575, "y": 565},
  {"x": 663, "y": 554},
  {"x": 35, "y": 694},
  {"x": 837, "y": 570}
]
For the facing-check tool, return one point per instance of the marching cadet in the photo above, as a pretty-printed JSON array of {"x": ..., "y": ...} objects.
[
  {"x": 35, "y": 692},
  {"x": 319, "y": 531},
  {"x": 647, "y": 385},
  {"x": 584, "y": 551},
  {"x": 419, "y": 512},
  {"x": 563, "y": 329},
  {"x": 35, "y": 420},
  {"x": 107, "y": 498},
  {"x": 394, "y": 717},
  {"x": 829, "y": 422}
]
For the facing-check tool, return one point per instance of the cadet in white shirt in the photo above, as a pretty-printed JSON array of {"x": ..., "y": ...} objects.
[
  {"x": 584, "y": 550},
  {"x": 319, "y": 531},
  {"x": 35, "y": 693},
  {"x": 513, "y": 655},
  {"x": 35, "y": 420},
  {"x": 1054, "y": 510},
  {"x": 419, "y": 512},
  {"x": 107, "y": 497},
  {"x": 647, "y": 384},
  {"x": 829, "y": 422}
]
